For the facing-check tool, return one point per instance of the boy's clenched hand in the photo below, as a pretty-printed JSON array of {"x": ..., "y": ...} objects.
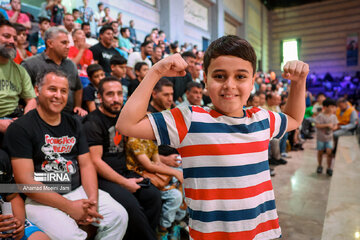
[
  {"x": 172, "y": 66},
  {"x": 295, "y": 70}
]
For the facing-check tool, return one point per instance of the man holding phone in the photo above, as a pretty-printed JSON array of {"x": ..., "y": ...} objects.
[{"x": 138, "y": 196}]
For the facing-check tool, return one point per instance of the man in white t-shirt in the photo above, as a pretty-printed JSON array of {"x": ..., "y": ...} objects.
[
  {"x": 135, "y": 57},
  {"x": 98, "y": 15}
]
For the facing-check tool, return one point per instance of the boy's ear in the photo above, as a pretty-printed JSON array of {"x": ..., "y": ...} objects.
[
  {"x": 99, "y": 97},
  {"x": 205, "y": 79},
  {"x": 37, "y": 92},
  {"x": 153, "y": 94},
  {"x": 253, "y": 80}
]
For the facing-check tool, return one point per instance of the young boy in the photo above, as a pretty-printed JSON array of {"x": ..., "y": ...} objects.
[
  {"x": 90, "y": 101},
  {"x": 118, "y": 69},
  {"x": 224, "y": 150},
  {"x": 326, "y": 123},
  {"x": 141, "y": 69},
  {"x": 14, "y": 226}
]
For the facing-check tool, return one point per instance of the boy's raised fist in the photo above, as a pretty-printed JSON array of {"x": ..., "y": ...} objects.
[{"x": 295, "y": 70}]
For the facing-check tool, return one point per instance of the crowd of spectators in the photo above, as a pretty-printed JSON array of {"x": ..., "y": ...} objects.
[{"x": 89, "y": 76}]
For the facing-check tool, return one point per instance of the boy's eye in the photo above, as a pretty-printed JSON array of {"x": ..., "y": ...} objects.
[
  {"x": 240, "y": 76},
  {"x": 219, "y": 76}
]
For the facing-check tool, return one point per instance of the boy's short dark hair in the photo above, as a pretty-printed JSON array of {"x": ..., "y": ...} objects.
[
  {"x": 320, "y": 94},
  {"x": 84, "y": 24},
  {"x": 144, "y": 44},
  {"x": 104, "y": 80},
  {"x": 329, "y": 102},
  {"x": 75, "y": 10},
  {"x": 230, "y": 45},
  {"x": 123, "y": 29},
  {"x": 91, "y": 69},
  {"x": 100, "y": 4},
  {"x": 105, "y": 28},
  {"x": 191, "y": 85},
  {"x": 161, "y": 83},
  {"x": 188, "y": 54},
  {"x": 117, "y": 60},
  {"x": 19, "y": 28},
  {"x": 139, "y": 65},
  {"x": 43, "y": 19}
]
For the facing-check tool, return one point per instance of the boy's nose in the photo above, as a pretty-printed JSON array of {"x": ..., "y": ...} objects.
[{"x": 229, "y": 83}]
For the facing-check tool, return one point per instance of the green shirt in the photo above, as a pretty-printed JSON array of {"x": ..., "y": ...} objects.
[
  {"x": 15, "y": 83},
  {"x": 308, "y": 112}
]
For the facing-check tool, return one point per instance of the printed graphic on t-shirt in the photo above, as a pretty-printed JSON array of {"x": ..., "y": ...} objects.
[
  {"x": 115, "y": 139},
  {"x": 52, "y": 149}
]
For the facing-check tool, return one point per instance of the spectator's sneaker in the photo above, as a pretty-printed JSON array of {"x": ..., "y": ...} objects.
[
  {"x": 329, "y": 172},
  {"x": 272, "y": 172},
  {"x": 285, "y": 155},
  {"x": 175, "y": 232},
  {"x": 273, "y": 161},
  {"x": 282, "y": 161},
  {"x": 319, "y": 169}
]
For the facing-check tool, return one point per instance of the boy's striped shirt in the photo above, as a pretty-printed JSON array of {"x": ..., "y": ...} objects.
[{"x": 227, "y": 181}]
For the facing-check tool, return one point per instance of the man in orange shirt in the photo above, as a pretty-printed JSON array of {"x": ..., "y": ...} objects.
[{"x": 347, "y": 117}]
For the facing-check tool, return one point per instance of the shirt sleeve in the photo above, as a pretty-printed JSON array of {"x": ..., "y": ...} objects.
[
  {"x": 171, "y": 126},
  {"x": 135, "y": 146},
  {"x": 131, "y": 60},
  {"x": 94, "y": 133},
  {"x": 29, "y": 70},
  {"x": 88, "y": 94},
  {"x": 72, "y": 52},
  {"x": 28, "y": 91},
  {"x": 82, "y": 141},
  {"x": 33, "y": 39},
  {"x": 95, "y": 52},
  {"x": 16, "y": 136},
  {"x": 278, "y": 124}
]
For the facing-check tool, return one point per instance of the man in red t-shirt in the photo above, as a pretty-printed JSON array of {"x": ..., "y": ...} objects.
[
  {"x": 81, "y": 55},
  {"x": 15, "y": 16}
]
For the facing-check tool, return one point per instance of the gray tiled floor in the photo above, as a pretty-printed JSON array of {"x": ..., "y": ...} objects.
[{"x": 301, "y": 195}]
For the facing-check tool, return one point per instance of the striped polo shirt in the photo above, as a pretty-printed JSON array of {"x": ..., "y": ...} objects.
[{"x": 227, "y": 180}]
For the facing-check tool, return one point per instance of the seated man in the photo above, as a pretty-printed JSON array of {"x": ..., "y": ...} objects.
[
  {"x": 16, "y": 83},
  {"x": 107, "y": 151},
  {"x": 347, "y": 118},
  {"x": 194, "y": 94},
  {"x": 53, "y": 143}
]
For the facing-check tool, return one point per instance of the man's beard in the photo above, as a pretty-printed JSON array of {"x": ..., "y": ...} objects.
[
  {"x": 108, "y": 108},
  {"x": 87, "y": 35},
  {"x": 6, "y": 52}
]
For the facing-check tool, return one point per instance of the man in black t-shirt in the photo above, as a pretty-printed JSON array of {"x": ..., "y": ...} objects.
[
  {"x": 47, "y": 144},
  {"x": 103, "y": 51},
  {"x": 107, "y": 151}
]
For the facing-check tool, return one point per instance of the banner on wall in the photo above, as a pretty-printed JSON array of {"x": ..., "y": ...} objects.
[{"x": 352, "y": 49}]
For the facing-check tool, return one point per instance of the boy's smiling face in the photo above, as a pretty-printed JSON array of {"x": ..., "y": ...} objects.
[{"x": 229, "y": 81}]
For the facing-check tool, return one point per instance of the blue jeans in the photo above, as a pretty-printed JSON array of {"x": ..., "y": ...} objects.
[
  {"x": 283, "y": 142},
  {"x": 170, "y": 210}
]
